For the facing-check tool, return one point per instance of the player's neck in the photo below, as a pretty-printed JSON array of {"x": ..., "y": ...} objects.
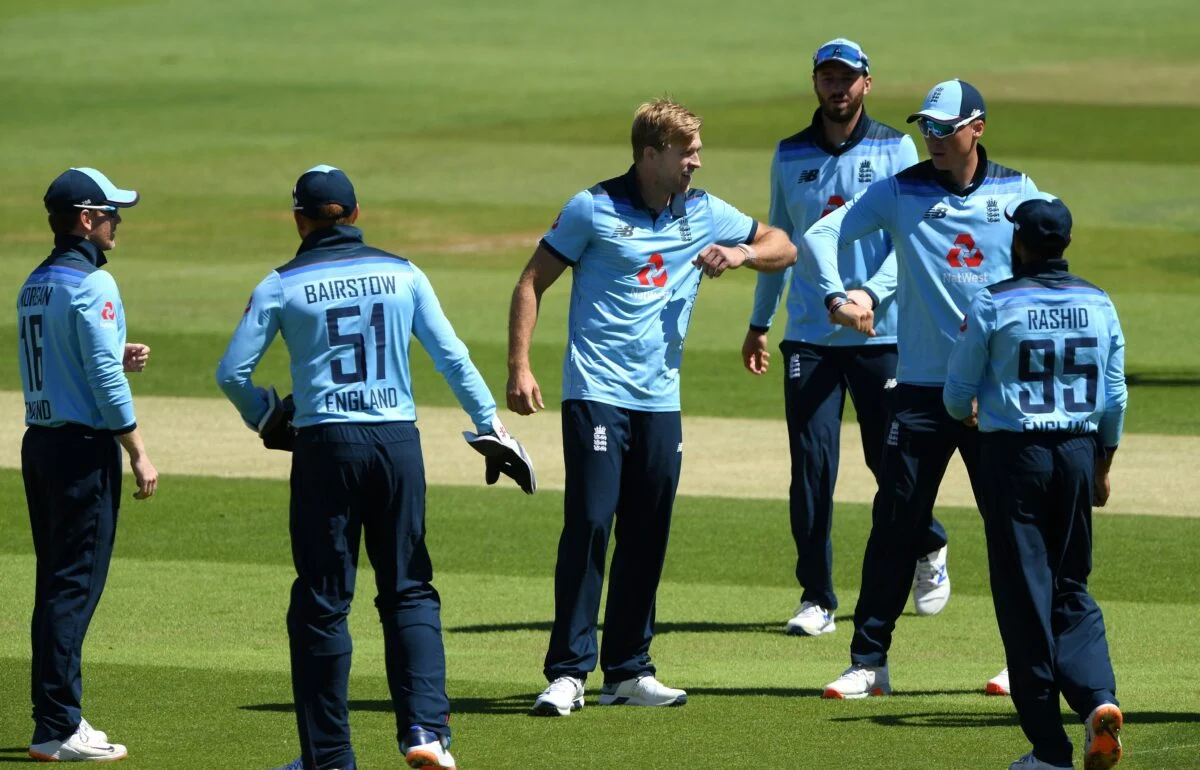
[
  {"x": 838, "y": 134},
  {"x": 653, "y": 196},
  {"x": 963, "y": 173}
]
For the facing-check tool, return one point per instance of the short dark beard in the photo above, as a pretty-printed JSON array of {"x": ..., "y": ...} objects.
[{"x": 851, "y": 111}]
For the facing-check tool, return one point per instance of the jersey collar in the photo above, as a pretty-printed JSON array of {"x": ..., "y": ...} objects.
[
  {"x": 65, "y": 244},
  {"x": 677, "y": 204},
  {"x": 856, "y": 135},
  {"x": 338, "y": 235},
  {"x": 948, "y": 184}
]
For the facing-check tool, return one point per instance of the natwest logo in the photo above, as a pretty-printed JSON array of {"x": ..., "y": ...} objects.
[
  {"x": 834, "y": 203},
  {"x": 108, "y": 312},
  {"x": 653, "y": 273},
  {"x": 964, "y": 253}
]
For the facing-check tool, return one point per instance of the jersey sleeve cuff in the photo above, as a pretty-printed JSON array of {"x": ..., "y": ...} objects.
[
  {"x": 759, "y": 329},
  {"x": 130, "y": 428},
  {"x": 753, "y": 232},
  {"x": 874, "y": 297},
  {"x": 557, "y": 254},
  {"x": 829, "y": 298}
]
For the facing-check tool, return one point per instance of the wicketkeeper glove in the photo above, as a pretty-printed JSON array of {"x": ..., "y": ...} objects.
[
  {"x": 504, "y": 454},
  {"x": 275, "y": 428}
]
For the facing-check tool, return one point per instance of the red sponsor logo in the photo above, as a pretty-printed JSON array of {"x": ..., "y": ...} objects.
[
  {"x": 964, "y": 253},
  {"x": 963, "y": 328},
  {"x": 653, "y": 273},
  {"x": 108, "y": 312},
  {"x": 249, "y": 303},
  {"x": 834, "y": 203},
  {"x": 556, "y": 220}
]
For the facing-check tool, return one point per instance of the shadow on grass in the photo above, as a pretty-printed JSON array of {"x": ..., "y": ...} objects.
[
  {"x": 1171, "y": 380},
  {"x": 955, "y": 719},
  {"x": 12, "y": 755},
  {"x": 692, "y": 627}
]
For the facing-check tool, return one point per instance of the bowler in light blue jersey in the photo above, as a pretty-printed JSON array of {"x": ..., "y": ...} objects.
[
  {"x": 813, "y": 173},
  {"x": 1039, "y": 367},
  {"x": 73, "y": 358},
  {"x": 946, "y": 220},
  {"x": 638, "y": 246},
  {"x": 347, "y": 312}
]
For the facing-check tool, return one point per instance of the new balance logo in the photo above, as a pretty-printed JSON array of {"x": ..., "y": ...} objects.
[
  {"x": 623, "y": 231},
  {"x": 808, "y": 175},
  {"x": 893, "y": 438},
  {"x": 600, "y": 439},
  {"x": 936, "y": 211},
  {"x": 865, "y": 172}
]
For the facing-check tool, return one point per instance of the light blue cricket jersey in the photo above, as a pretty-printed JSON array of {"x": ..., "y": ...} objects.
[
  {"x": 633, "y": 288},
  {"x": 1042, "y": 352},
  {"x": 71, "y": 342},
  {"x": 347, "y": 313},
  {"x": 811, "y": 178},
  {"x": 949, "y": 242}
]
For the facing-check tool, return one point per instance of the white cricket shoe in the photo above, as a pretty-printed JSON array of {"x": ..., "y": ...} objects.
[
  {"x": 1102, "y": 737},
  {"x": 858, "y": 682},
  {"x": 811, "y": 619},
  {"x": 99, "y": 735},
  {"x": 931, "y": 583},
  {"x": 998, "y": 685},
  {"x": 644, "y": 690},
  {"x": 560, "y": 698},
  {"x": 423, "y": 749},
  {"x": 1030, "y": 762},
  {"x": 84, "y": 745}
]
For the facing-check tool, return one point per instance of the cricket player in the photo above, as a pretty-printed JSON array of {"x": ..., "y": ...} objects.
[
  {"x": 347, "y": 311},
  {"x": 79, "y": 412},
  {"x": 946, "y": 220},
  {"x": 812, "y": 174},
  {"x": 1042, "y": 355},
  {"x": 637, "y": 245}
]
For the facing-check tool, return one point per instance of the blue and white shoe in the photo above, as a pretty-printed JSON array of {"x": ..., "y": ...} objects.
[
  {"x": 560, "y": 698},
  {"x": 1030, "y": 762},
  {"x": 425, "y": 749},
  {"x": 931, "y": 583},
  {"x": 644, "y": 690},
  {"x": 811, "y": 619}
]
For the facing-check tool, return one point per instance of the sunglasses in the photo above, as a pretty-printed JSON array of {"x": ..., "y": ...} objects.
[
  {"x": 840, "y": 52},
  {"x": 938, "y": 129}
]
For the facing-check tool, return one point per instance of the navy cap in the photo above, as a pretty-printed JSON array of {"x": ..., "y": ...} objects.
[
  {"x": 1042, "y": 222},
  {"x": 956, "y": 102},
  {"x": 842, "y": 50},
  {"x": 321, "y": 185},
  {"x": 86, "y": 188}
]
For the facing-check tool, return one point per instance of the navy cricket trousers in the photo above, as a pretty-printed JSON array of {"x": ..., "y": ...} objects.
[
  {"x": 347, "y": 479},
  {"x": 921, "y": 439},
  {"x": 814, "y": 389},
  {"x": 72, "y": 480},
  {"x": 623, "y": 462},
  {"x": 1039, "y": 535}
]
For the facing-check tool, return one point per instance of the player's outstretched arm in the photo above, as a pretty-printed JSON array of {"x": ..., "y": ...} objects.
[{"x": 522, "y": 391}]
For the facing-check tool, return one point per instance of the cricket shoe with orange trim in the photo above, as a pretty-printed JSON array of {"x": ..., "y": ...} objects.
[
  {"x": 859, "y": 681},
  {"x": 83, "y": 745},
  {"x": 998, "y": 685},
  {"x": 1102, "y": 737},
  {"x": 424, "y": 749}
]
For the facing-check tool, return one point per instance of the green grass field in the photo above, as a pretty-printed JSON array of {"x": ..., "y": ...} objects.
[{"x": 465, "y": 126}]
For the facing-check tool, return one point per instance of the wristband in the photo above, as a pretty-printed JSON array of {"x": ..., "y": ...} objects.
[{"x": 751, "y": 255}]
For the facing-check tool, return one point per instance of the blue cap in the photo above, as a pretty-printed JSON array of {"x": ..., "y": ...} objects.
[
  {"x": 842, "y": 50},
  {"x": 1041, "y": 221},
  {"x": 86, "y": 188},
  {"x": 321, "y": 185},
  {"x": 955, "y": 101}
]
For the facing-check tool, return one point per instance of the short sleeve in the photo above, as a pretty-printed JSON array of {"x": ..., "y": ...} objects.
[{"x": 572, "y": 229}]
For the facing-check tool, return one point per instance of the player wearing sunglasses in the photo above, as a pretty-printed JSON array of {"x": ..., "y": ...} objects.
[{"x": 946, "y": 220}]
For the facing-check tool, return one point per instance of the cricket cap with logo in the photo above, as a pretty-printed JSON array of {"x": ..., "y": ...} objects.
[
  {"x": 1041, "y": 221},
  {"x": 86, "y": 188},
  {"x": 322, "y": 185},
  {"x": 955, "y": 102},
  {"x": 844, "y": 51}
]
